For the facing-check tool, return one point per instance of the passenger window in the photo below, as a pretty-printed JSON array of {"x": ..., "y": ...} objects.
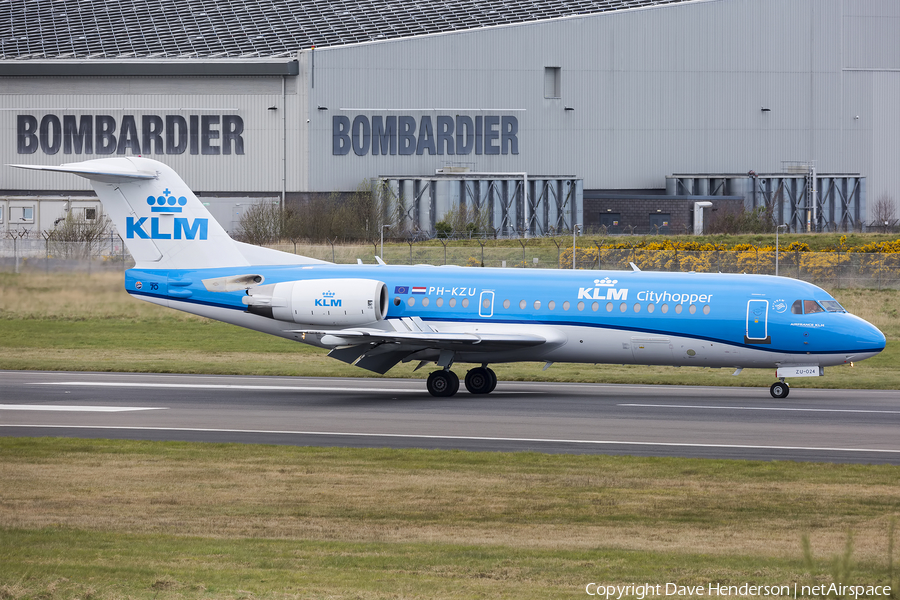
[
  {"x": 797, "y": 307},
  {"x": 811, "y": 306}
]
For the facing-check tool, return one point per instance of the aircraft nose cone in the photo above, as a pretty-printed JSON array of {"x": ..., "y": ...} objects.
[
  {"x": 862, "y": 339},
  {"x": 878, "y": 338},
  {"x": 870, "y": 337}
]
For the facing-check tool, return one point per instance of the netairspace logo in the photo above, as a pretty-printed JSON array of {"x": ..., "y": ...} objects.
[{"x": 651, "y": 590}]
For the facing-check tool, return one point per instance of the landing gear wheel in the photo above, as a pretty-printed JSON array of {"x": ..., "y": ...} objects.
[
  {"x": 442, "y": 384},
  {"x": 493, "y": 380},
  {"x": 479, "y": 380},
  {"x": 780, "y": 389},
  {"x": 454, "y": 381}
]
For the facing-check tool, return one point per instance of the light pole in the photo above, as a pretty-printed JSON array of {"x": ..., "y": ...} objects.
[
  {"x": 777, "y": 247},
  {"x": 574, "y": 233}
]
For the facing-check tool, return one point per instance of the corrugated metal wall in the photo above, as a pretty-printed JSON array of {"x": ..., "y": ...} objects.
[
  {"x": 654, "y": 91},
  {"x": 258, "y": 169}
]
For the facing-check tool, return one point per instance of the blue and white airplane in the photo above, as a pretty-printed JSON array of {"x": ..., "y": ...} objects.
[{"x": 376, "y": 316}]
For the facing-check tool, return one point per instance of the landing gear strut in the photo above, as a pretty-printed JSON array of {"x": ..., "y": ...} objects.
[
  {"x": 445, "y": 383},
  {"x": 780, "y": 389}
]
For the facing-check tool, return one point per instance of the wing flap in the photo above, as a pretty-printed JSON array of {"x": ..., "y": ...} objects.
[
  {"x": 428, "y": 339},
  {"x": 380, "y": 349}
]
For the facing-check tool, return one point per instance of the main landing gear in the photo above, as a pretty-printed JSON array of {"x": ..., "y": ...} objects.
[
  {"x": 780, "y": 389},
  {"x": 445, "y": 383}
]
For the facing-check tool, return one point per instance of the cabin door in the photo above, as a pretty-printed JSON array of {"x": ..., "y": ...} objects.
[{"x": 757, "y": 331}]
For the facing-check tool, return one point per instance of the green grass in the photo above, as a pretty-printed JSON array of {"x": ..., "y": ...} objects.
[
  {"x": 105, "y": 519},
  {"x": 166, "y": 566},
  {"x": 110, "y": 519}
]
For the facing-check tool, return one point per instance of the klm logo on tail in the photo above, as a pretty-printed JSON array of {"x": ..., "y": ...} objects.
[
  {"x": 166, "y": 203},
  {"x": 181, "y": 228}
]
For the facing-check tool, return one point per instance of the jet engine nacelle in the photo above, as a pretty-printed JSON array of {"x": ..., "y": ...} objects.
[{"x": 339, "y": 302}]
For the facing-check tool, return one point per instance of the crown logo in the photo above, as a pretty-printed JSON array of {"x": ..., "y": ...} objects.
[
  {"x": 606, "y": 282},
  {"x": 328, "y": 295},
  {"x": 166, "y": 203}
]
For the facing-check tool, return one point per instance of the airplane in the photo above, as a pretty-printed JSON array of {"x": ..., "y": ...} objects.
[{"x": 376, "y": 316}]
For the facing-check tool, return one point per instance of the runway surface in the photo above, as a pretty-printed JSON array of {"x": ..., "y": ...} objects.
[{"x": 744, "y": 423}]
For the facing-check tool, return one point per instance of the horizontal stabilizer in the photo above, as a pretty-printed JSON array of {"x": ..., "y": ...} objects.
[{"x": 107, "y": 171}]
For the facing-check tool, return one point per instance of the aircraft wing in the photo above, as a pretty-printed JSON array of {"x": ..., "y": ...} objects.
[{"x": 379, "y": 350}]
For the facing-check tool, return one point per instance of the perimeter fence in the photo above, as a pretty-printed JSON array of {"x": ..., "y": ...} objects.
[
  {"x": 19, "y": 255},
  {"x": 878, "y": 270}
]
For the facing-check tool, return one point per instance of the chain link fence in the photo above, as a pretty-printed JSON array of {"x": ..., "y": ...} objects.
[
  {"x": 827, "y": 269},
  {"x": 22, "y": 255}
]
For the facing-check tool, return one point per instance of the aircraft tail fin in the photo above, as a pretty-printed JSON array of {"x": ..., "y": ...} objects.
[{"x": 164, "y": 225}]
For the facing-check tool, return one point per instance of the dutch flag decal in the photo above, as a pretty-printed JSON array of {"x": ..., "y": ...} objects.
[{"x": 418, "y": 289}]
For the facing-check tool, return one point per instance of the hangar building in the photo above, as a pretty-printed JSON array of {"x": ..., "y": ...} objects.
[{"x": 544, "y": 112}]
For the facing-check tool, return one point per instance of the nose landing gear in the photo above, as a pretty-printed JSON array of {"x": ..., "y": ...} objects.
[
  {"x": 445, "y": 383},
  {"x": 780, "y": 389}
]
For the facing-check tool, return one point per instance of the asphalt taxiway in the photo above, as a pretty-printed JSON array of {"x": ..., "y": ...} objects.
[{"x": 710, "y": 422}]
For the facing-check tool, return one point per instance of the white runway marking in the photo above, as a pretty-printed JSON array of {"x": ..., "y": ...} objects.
[
  {"x": 62, "y": 408},
  {"x": 224, "y": 386},
  {"x": 832, "y": 410},
  {"x": 468, "y": 438}
]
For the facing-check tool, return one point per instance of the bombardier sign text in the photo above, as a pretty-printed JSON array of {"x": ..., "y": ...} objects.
[
  {"x": 405, "y": 135},
  {"x": 144, "y": 135}
]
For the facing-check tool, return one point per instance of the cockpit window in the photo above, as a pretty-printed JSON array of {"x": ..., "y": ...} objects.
[
  {"x": 808, "y": 307},
  {"x": 832, "y": 306},
  {"x": 811, "y": 306}
]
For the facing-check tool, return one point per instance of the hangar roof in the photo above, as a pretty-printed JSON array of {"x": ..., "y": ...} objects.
[{"x": 210, "y": 29}]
